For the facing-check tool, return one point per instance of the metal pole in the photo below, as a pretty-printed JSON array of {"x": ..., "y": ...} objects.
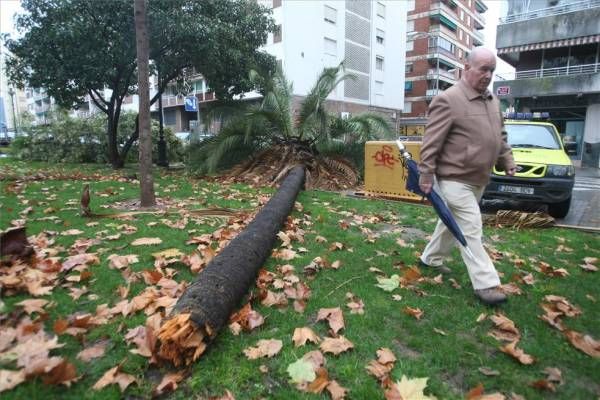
[{"x": 162, "y": 144}]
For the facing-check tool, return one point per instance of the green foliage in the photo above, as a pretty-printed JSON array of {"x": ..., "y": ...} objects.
[
  {"x": 83, "y": 140},
  {"x": 74, "y": 48},
  {"x": 272, "y": 121}
]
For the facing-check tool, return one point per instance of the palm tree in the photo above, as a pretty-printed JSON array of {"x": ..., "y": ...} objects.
[{"x": 264, "y": 141}]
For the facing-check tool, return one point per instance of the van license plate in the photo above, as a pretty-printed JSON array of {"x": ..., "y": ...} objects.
[{"x": 515, "y": 189}]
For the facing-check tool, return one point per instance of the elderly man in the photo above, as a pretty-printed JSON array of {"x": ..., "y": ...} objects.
[{"x": 464, "y": 138}]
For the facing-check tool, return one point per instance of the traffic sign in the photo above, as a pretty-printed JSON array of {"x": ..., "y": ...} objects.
[{"x": 191, "y": 103}]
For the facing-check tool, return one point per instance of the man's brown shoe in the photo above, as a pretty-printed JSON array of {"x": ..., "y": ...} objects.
[
  {"x": 437, "y": 268},
  {"x": 491, "y": 295}
]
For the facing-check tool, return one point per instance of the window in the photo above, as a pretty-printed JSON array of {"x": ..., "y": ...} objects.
[
  {"x": 469, "y": 21},
  {"x": 410, "y": 45},
  {"x": 378, "y": 87},
  {"x": 442, "y": 43},
  {"x": 460, "y": 34},
  {"x": 468, "y": 40},
  {"x": 330, "y": 15},
  {"x": 410, "y": 26},
  {"x": 380, "y": 36},
  {"x": 380, "y": 10},
  {"x": 379, "y": 63},
  {"x": 170, "y": 117},
  {"x": 330, "y": 47},
  {"x": 460, "y": 54},
  {"x": 408, "y": 67},
  {"x": 411, "y": 5},
  {"x": 462, "y": 15},
  {"x": 408, "y": 86},
  {"x": 407, "y": 107},
  {"x": 277, "y": 34}
]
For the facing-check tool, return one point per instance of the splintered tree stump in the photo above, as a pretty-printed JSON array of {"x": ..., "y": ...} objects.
[{"x": 205, "y": 307}]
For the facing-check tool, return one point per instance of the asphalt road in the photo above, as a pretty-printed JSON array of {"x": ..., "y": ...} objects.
[{"x": 585, "y": 205}]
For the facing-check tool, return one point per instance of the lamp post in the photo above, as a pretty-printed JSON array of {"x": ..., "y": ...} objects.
[{"x": 11, "y": 93}]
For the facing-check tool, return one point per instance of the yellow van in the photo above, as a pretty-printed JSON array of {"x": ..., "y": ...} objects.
[{"x": 544, "y": 174}]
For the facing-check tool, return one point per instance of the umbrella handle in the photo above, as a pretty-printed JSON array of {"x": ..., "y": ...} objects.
[{"x": 405, "y": 154}]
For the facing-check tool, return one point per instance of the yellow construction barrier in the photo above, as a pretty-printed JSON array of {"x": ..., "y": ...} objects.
[{"x": 384, "y": 174}]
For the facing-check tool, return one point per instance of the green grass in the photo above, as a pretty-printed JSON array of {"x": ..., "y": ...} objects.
[{"x": 450, "y": 362}]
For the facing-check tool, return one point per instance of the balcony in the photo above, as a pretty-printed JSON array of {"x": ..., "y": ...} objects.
[
  {"x": 477, "y": 35},
  {"x": 448, "y": 76},
  {"x": 432, "y": 92},
  {"x": 549, "y": 25},
  {"x": 552, "y": 81}
]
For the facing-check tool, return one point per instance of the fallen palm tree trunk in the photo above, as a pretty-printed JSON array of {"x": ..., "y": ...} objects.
[{"x": 207, "y": 303}]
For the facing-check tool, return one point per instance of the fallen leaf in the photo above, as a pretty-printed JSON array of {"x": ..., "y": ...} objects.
[
  {"x": 33, "y": 305},
  {"x": 168, "y": 383},
  {"x": 585, "y": 343},
  {"x": 320, "y": 382},
  {"x": 415, "y": 312},
  {"x": 488, "y": 371},
  {"x": 302, "y": 335},
  {"x": 512, "y": 350},
  {"x": 554, "y": 375},
  {"x": 264, "y": 348},
  {"x": 64, "y": 374},
  {"x": 301, "y": 371},
  {"x": 334, "y": 316},
  {"x": 544, "y": 384},
  {"x": 389, "y": 284},
  {"x": 336, "y": 345},
  {"x": 114, "y": 376},
  {"x": 412, "y": 389},
  {"x": 168, "y": 253},
  {"x": 71, "y": 232},
  {"x": 95, "y": 351},
  {"x": 10, "y": 379},
  {"x": 336, "y": 391},
  {"x": 146, "y": 241}
]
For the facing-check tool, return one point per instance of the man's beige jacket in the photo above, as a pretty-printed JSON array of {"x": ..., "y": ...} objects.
[{"x": 464, "y": 137}]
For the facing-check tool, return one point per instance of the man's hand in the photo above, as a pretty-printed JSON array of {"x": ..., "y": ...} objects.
[
  {"x": 425, "y": 187},
  {"x": 511, "y": 171}
]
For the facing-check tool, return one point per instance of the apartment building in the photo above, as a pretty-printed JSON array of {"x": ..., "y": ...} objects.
[
  {"x": 554, "y": 46},
  {"x": 369, "y": 36},
  {"x": 440, "y": 34}
]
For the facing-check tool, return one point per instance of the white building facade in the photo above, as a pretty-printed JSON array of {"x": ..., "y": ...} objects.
[{"x": 368, "y": 36}]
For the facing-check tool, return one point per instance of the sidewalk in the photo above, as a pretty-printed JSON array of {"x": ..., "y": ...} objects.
[{"x": 585, "y": 206}]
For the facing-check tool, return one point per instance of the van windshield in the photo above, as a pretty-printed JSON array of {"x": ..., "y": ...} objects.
[{"x": 532, "y": 136}]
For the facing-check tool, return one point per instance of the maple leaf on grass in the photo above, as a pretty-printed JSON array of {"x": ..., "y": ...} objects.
[
  {"x": 336, "y": 391},
  {"x": 414, "y": 312},
  {"x": 114, "y": 376},
  {"x": 301, "y": 371},
  {"x": 336, "y": 345},
  {"x": 95, "y": 351},
  {"x": 389, "y": 284},
  {"x": 10, "y": 379},
  {"x": 168, "y": 383},
  {"x": 409, "y": 389},
  {"x": 264, "y": 348},
  {"x": 33, "y": 305},
  {"x": 585, "y": 343},
  {"x": 304, "y": 334},
  {"x": 146, "y": 241},
  {"x": 334, "y": 316},
  {"x": 518, "y": 354}
]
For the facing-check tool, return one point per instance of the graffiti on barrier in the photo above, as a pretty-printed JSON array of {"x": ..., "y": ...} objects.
[{"x": 385, "y": 157}]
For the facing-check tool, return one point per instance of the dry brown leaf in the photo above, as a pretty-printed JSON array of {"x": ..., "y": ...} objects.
[
  {"x": 144, "y": 338},
  {"x": 554, "y": 375},
  {"x": 334, "y": 316},
  {"x": 264, "y": 348},
  {"x": 304, "y": 334},
  {"x": 336, "y": 391},
  {"x": 10, "y": 379},
  {"x": 512, "y": 350},
  {"x": 414, "y": 312},
  {"x": 168, "y": 383},
  {"x": 505, "y": 328},
  {"x": 475, "y": 393},
  {"x": 145, "y": 241},
  {"x": 336, "y": 345},
  {"x": 320, "y": 382},
  {"x": 316, "y": 359},
  {"x": 274, "y": 299},
  {"x": 488, "y": 371},
  {"x": 544, "y": 384},
  {"x": 95, "y": 351},
  {"x": 71, "y": 232},
  {"x": 114, "y": 376},
  {"x": 585, "y": 343},
  {"x": 33, "y": 305},
  {"x": 62, "y": 374}
]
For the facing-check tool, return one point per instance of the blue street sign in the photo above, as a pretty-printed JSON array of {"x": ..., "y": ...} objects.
[{"x": 191, "y": 103}]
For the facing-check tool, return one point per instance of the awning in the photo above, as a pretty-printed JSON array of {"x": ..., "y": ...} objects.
[
  {"x": 444, "y": 20},
  {"x": 550, "y": 45}
]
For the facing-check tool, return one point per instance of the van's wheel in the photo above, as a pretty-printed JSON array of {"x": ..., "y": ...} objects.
[{"x": 559, "y": 210}]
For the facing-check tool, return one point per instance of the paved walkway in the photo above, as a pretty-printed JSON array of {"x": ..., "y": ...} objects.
[{"x": 585, "y": 205}]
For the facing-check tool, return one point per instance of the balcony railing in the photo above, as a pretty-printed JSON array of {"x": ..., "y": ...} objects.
[
  {"x": 546, "y": 12},
  {"x": 433, "y": 74},
  {"x": 432, "y": 92},
  {"x": 436, "y": 51},
  {"x": 551, "y": 72}
]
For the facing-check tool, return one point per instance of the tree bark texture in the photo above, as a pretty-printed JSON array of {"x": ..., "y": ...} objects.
[
  {"x": 147, "y": 197},
  {"x": 220, "y": 287}
]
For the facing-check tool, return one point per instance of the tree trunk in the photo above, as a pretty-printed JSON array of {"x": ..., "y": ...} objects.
[
  {"x": 147, "y": 197},
  {"x": 220, "y": 287},
  {"x": 113, "y": 150}
]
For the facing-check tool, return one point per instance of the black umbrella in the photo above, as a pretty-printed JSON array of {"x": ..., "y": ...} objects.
[{"x": 412, "y": 184}]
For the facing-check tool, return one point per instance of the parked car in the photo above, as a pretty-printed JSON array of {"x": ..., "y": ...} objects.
[{"x": 544, "y": 174}]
